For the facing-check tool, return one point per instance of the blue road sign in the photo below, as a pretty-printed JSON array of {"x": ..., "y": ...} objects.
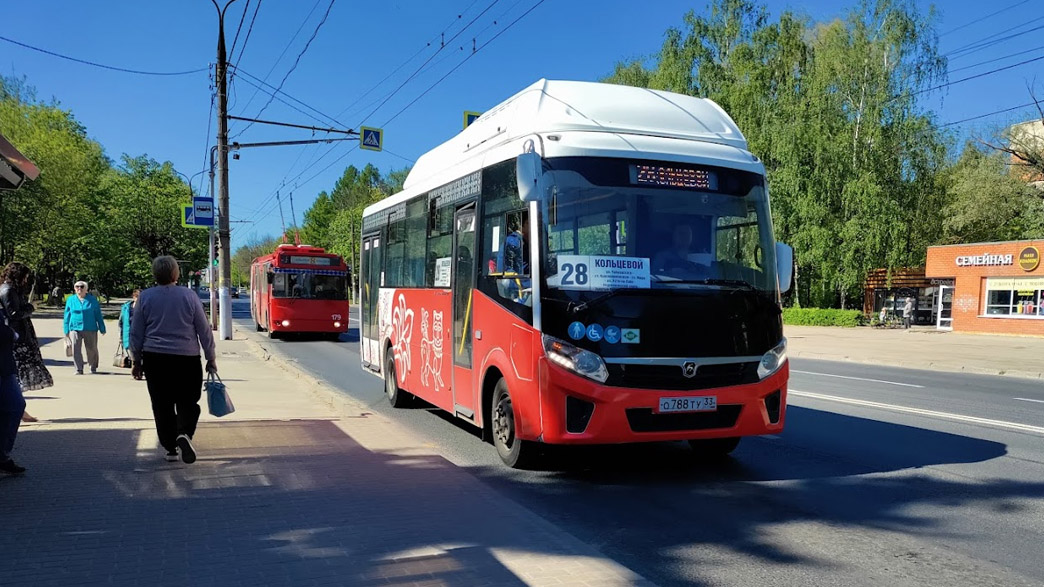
[
  {"x": 470, "y": 117},
  {"x": 188, "y": 217},
  {"x": 203, "y": 211},
  {"x": 612, "y": 334},
  {"x": 371, "y": 139}
]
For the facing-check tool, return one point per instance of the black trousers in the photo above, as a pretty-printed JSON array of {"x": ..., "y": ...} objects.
[{"x": 175, "y": 385}]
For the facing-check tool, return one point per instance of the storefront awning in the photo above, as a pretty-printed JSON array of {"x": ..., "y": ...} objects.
[{"x": 15, "y": 168}]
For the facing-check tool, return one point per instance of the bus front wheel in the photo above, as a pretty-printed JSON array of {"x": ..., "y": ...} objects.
[
  {"x": 397, "y": 397},
  {"x": 515, "y": 452},
  {"x": 714, "y": 448}
]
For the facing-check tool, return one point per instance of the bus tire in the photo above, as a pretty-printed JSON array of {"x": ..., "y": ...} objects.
[
  {"x": 397, "y": 397},
  {"x": 514, "y": 452},
  {"x": 258, "y": 326},
  {"x": 714, "y": 448}
]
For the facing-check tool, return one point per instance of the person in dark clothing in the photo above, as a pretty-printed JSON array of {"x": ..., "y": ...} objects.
[
  {"x": 32, "y": 372},
  {"x": 12, "y": 403},
  {"x": 167, "y": 331}
]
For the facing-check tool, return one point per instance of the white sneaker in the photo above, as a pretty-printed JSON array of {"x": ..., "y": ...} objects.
[{"x": 188, "y": 454}]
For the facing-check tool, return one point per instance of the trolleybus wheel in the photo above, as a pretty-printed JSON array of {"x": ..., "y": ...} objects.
[
  {"x": 714, "y": 448},
  {"x": 397, "y": 397},
  {"x": 515, "y": 452},
  {"x": 258, "y": 326}
]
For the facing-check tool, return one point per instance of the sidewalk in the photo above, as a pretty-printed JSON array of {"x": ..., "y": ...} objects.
[
  {"x": 297, "y": 487},
  {"x": 921, "y": 348}
]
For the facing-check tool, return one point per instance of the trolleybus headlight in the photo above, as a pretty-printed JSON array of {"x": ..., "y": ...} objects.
[
  {"x": 773, "y": 360},
  {"x": 337, "y": 324},
  {"x": 575, "y": 359},
  {"x": 286, "y": 323}
]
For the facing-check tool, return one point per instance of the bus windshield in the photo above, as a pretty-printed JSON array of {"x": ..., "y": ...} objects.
[
  {"x": 614, "y": 224},
  {"x": 309, "y": 285}
]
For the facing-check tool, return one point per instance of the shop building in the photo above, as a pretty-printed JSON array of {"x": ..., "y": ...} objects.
[{"x": 992, "y": 288}]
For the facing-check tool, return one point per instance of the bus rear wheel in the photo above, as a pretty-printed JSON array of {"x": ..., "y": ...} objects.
[
  {"x": 515, "y": 452},
  {"x": 397, "y": 397},
  {"x": 714, "y": 448},
  {"x": 258, "y": 326}
]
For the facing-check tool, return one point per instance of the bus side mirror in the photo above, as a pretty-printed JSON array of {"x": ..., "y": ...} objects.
[
  {"x": 784, "y": 266},
  {"x": 528, "y": 171}
]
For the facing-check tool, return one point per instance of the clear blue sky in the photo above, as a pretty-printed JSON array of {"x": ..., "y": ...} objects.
[{"x": 362, "y": 42}]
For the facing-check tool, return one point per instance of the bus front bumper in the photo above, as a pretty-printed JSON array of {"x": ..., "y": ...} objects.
[
  {"x": 577, "y": 410},
  {"x": 308, "y": 325}
]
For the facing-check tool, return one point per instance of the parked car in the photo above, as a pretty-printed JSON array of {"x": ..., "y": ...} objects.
[{"x": 234, "y": 291}]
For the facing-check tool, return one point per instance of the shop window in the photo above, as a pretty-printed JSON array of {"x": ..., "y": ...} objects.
[{"x": 1015, "y": 297}]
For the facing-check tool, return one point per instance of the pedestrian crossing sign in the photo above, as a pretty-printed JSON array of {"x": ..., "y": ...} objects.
[
  {"x": 188, "y": 217},
  {"x": 371, "y": 139},
  {"x": 470, "y": 117}
]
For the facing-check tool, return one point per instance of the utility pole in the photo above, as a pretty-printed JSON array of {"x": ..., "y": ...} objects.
[
  {"x": 224, "y": 259},
  {"x": 211, "y": 271}
]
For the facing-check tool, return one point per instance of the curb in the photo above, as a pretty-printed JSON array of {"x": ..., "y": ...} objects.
[
  {"x": 342, "y": 404},
  {"x": 1031, "y": 375}
]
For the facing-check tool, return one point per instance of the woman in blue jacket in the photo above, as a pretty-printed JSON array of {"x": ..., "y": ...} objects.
[
  {"x": 83, "y": 322},
  {"x": 126, "y": 314}
]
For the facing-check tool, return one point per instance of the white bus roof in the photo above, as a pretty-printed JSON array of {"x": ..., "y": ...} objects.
[{"x": 592, "y": 114}]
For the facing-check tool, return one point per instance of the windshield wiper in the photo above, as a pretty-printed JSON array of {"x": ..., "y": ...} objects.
[{"x": 576, "y": 309}]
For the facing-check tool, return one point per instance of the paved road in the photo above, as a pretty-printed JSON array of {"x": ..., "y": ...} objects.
[{"x": 883, "y": 476}]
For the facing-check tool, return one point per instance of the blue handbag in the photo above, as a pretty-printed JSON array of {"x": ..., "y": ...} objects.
[{"x": 218, "y": 400}]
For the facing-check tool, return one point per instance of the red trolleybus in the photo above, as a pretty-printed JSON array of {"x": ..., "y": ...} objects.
[
  {"x": 299, "y": 288},
  {"x": 586, "y": 263}
]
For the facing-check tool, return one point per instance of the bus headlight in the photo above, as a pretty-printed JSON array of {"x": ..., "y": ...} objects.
[
  {"x": 773, "y": 360},
  {"x": 286, "y": 323},
  {"x": 337, "y": 324},
  {"x": 575, "y": 359}
]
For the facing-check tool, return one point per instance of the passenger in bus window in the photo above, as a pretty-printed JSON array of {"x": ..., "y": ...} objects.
[{"x": 513, "y": 262}]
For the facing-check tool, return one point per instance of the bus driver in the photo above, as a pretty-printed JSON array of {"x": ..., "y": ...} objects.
[{"x": 679, "y": 260}]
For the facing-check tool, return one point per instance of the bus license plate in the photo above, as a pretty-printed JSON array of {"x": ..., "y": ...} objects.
[{"x": 707, "y": 403}]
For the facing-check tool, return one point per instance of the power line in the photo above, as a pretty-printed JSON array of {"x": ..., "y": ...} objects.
[
  {"x": 405, "y": 63},
  {"x": 285, "y": 49},
  {"x": 977, "y": 75},
  {"x": 1020, "y": 106},
  {"x": 294, "y": 66},
  {"x": 250, "y": 29},
  {"x": 273, "y": 90},
  {"x": 979, "y": 20},
  {"x": 472, "y": 54},
  {"x": 418, "y": 70},
  {"x": 93, "y": 64},
  {"x": 242, "y": 19},
  {"x": 987, "y": 43},
  {"x": 288, "y": 104},
  {"x": 1002, "y": 58}
]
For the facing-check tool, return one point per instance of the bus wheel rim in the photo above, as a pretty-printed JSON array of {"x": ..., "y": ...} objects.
[
  {"x": 504, "y": 422},
  {"x": 389, "y": 378}
]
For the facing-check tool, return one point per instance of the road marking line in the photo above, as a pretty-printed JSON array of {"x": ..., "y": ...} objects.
[
  {"x": 920, "y": 412},
  {"x": 1023, "y": 399},
  {"x": 857, "y": 378}
]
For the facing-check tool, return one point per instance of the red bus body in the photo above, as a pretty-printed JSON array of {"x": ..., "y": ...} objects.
[
  {"x": 299, "y": 289},
  {"x": 415, "y": 326}
]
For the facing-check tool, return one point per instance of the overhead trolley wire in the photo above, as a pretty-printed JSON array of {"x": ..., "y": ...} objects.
[
  {"x": 101, "y": 65},
  {"x": 407, "y": 62},
  {"x": 285, "y": 49},
  {"x": 294, "y": 66}
]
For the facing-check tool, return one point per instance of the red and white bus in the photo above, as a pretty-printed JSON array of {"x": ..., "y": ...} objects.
[
  {"x": 584, "y": 264},
  {"x": 299, "y": 288}
]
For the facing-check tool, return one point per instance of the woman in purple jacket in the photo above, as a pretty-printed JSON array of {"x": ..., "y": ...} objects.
[{"x": 167, "y": 331}]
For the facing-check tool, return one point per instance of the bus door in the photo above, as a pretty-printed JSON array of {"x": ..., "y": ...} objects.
[
  {"x": 370, "y": 278},
  {"x": 463, "y": 282}
]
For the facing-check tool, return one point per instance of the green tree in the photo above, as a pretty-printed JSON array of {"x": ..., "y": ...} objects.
[{"x": 988, "y": 202}]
